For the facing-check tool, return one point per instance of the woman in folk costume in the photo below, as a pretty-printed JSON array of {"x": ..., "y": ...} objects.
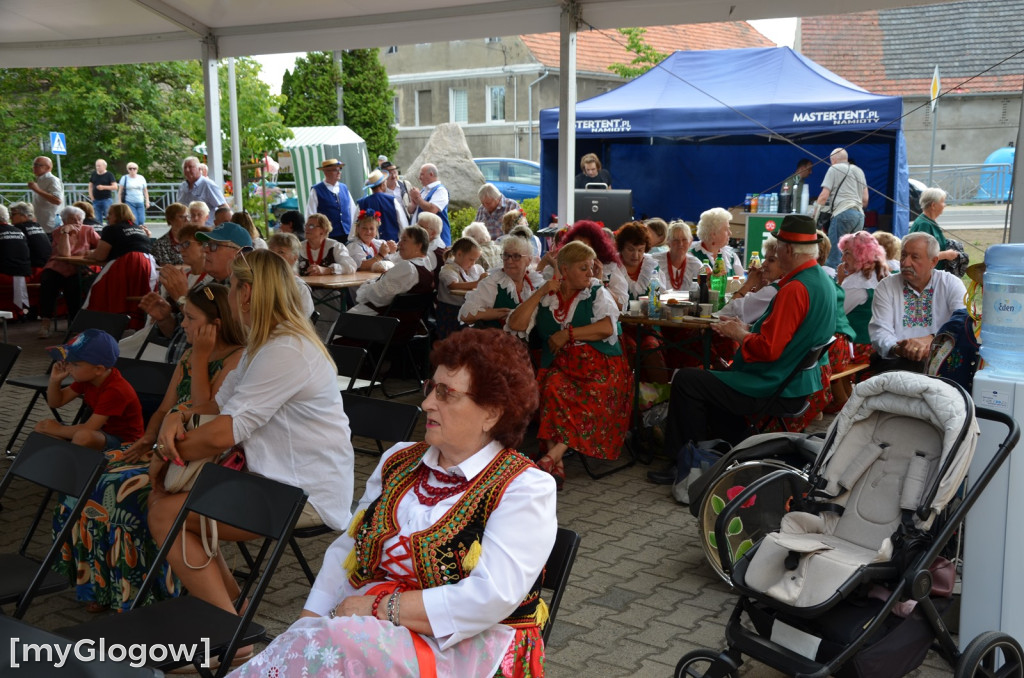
[
  {"x": 503, "y": 289},
  {"x": 436, "y": 575},
  {"x": 322, "y": 255}
]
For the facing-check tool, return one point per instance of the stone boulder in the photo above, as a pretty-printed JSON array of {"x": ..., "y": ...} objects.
[{"x": 447, "y": 149}]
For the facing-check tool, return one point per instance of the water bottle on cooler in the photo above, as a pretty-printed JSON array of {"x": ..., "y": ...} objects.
[{"x": 1002, "y": 317}]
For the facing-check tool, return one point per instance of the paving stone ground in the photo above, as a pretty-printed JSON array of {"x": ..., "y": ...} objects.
[{"x": 640, "y": 596}]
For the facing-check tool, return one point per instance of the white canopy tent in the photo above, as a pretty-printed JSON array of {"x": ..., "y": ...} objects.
[{"x": 37, "y": 33}]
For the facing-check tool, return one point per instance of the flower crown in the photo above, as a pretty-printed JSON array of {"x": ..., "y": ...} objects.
[{"x": 366, "y": 213}]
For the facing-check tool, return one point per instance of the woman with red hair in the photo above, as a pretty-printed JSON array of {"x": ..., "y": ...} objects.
[
  {"x": 437, "y": 546},
  {"x": 607, "y": 264}
]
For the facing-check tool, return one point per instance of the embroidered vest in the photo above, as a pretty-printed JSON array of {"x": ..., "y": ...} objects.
[
  {"x": 439, "y": 553},
  {"x": 446, "y": 231},
  {"x": 547, "y": 325},
  {"x": 385, "y": 204},
  {"x": 335, "y": 208}
]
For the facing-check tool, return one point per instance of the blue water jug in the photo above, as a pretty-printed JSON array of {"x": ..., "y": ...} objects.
[{"x": 1002, "y": 317}]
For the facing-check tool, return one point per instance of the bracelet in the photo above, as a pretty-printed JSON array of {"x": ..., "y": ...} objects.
[
  {"x": 393, "y": 603},
  {"x": 572, "y": 337},
  {"x": 376, "y": 602}
]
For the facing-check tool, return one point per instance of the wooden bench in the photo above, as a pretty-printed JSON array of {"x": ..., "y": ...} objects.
[{"x": 848, "y": 372}]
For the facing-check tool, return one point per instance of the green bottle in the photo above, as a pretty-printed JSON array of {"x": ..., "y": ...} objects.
[{"x": 719, "y": 280}]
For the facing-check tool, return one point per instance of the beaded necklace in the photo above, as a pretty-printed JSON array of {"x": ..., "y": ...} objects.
[
  {"x": 430, "y": 495},
  {"x": 562, "y": 312},
  {"x": 526, "y": 283},
  {"x": 674, "y": 278},
  {"x": 320, "y": 255}
]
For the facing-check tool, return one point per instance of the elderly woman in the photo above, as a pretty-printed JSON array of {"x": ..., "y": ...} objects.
[
  {"x": 40, "y": 247},
  {"x": 607, "y": 264},
  {"x": 368, "y": 251},
  {"x": 323, "y": 255},
  {"x": 862, "y": 267},
  {"x": 713, "y": 232},
  {"x": 462, "y": 274},
  {"x": 112, "y": 548},
  {"x": 411, "y": 273},
  {"x": 678, "y": 268},
  {"x": 164, "y": 250},
  {"x": 72, "y": 239},
  {"x": 15, "y": 268},
  {"x": 281, "y": 404},
  {"x": 933, "y": 204},
  {"x": 134, "y": 192},
  {"x": 436, "y": 248},
  {"x": 469, "y": 604},
  {"x": 493, "y": 208},
  {"x": 585, "y": 381},
  {"x": 633, "y": 241},
  {"x": 129, "y": 270},
  {"x": 503, "y": 289},
  {"x": 198, "y": 212},
  {"x": 490, "y": 250}
]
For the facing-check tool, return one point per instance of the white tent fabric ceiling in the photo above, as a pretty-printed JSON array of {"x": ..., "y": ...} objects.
[{"x": 37, "y": 33}]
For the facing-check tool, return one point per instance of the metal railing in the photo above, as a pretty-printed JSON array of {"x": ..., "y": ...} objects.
[
  {"x": 160, "y": 194},
  {"x": 984, "y": 183}
]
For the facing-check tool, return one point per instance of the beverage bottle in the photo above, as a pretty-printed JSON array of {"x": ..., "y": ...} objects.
[
  {"x": 774, "y": 204},
  {"x": 1002, "y": 339},
  {"x": 654, "y": 298},
  {"x": 719, "y": 280},
  {"x": 786, "y": 198},
  {"x": 703, "y": 282},
  {"x": 755, "y": 260},
  {"x": 746, "y": 203},
  {"x": 753, "y": 203}
]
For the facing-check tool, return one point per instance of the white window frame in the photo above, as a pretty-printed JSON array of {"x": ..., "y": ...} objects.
[
  {"x": 488, "y": 102},
  {"x": 454, "y": 93},
  {"x": 396, "y": 109}
]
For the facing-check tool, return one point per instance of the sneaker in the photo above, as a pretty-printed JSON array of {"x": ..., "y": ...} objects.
[{"x": 44, "y": 333}]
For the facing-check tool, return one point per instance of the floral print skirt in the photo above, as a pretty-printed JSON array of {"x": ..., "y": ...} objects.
[
  {"x": 586, "y": 401},
  {"x": 111, "y": 548}
]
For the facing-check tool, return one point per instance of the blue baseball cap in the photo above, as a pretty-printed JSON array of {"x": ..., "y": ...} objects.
[
  {"x": 95, "y": 347},
  {"x": 227, "y": 232}
]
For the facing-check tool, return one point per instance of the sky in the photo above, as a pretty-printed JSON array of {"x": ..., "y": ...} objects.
[{"x": 780, "y": 31}]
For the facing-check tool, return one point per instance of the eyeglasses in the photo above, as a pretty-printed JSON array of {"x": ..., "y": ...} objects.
[
  {"x": 310, "y": 227},
  {"x": 242, "y": 251},
  {"x": 182, "y": 246},
  {"x": 131, "y": 169},
  {"x": 511, "y": 257},
  {"x": 442, "y": 391},
  {"x": 214, "y": 245}
]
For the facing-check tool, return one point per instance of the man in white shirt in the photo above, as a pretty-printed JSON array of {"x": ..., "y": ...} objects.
[
  {"x": 398, "y": 187},
  {"x": 909, "y": 308},
  {"x": 49, "y": 193},
  {"x": 433, "y": 198},
  {"x": 411, "y": 273},
  {"x": 199, "y": 187},
  {"x": 845, "y": 191}
]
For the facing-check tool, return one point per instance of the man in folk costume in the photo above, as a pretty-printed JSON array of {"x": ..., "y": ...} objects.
[
  {"x": 434, "y": 199},
  {"x": 331, "y": 198},
  {"x": 393, "y": 219}
]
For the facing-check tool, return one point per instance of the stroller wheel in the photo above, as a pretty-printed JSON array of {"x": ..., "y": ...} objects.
[
  {"x": 991, "y": 654},
  {"x": 705, "y": 664}
]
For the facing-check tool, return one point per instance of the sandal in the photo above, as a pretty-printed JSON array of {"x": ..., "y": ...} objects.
[
  {"x": 558, "y": 472},
  {"x": 546, "y": 464}
]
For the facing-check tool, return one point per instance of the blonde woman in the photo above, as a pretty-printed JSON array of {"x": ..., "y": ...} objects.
[{"x": 281, "y": 404}]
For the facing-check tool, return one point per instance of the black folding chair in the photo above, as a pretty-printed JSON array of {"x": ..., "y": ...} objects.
[
  {"x": 246, "y": 501},
  {"x": 154, "y": 337},
  {"x": 367, "y": 418},
  {"x": 413, "y": 313},
  {"x": 374, "y": 333},
  {"x": 556, "y": 573},
  {"x": 150, "y": 381},
  {"x": 775, "y": 408},
  {"x": 8, "y": 356},
  {"x": 111, "y": 323},
  {"x": 58, "y": 466},
  {"x": 350, "y": 361}
]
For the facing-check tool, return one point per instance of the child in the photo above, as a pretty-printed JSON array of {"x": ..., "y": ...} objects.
[
  {"x": 367, "y": 250},
  {"x": 116, "y": 412},
  {"x": 461, "y": 273}
]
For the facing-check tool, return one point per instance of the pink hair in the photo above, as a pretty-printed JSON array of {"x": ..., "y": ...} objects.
[
  {"x": 865, "y": 250},
  {"x": 599, "y": 240}
]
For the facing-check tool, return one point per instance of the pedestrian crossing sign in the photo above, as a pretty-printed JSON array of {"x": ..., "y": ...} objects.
[{"x": 58, "y": 146}]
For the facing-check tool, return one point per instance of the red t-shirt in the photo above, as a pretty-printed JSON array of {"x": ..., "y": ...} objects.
[{"x": 116, "y": 399}]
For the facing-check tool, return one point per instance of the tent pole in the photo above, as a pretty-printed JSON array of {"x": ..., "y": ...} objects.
[
  {"x": 1017, "y": 187},
  {"x": 211, "y": 93},
  {"x": 570, "y": 21},
  {"x": 237, "y": 180}
]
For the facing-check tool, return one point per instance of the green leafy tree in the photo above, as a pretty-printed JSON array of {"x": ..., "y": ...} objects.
[
  {"x": 310, "y": 91},
  {"x": 646, "y": 56}
]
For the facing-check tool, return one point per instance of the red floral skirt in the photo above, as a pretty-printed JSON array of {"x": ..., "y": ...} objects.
[
  {"x": 586, "y": 401},
  {"x": 525, "y": 655},
  {"x": 862, "y": 354},
  {"x": 689, "y": 348}
]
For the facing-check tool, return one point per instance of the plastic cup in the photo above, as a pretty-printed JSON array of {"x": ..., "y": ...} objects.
[{"x": 705, "y": 310}]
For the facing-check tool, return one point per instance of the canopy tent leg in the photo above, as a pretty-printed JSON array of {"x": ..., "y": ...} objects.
[
  {"x": 570, "y": 21},
  {"x": 211, "y": 94}
]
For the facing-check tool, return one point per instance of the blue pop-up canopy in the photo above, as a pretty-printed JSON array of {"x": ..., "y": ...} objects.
[{"x": 703, "y": 128}]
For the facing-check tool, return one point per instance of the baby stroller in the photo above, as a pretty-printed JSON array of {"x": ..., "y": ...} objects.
[{"x": 817, "y": 595}]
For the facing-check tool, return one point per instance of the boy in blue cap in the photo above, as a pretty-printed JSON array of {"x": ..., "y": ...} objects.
[{"x": 89, "y": 360}]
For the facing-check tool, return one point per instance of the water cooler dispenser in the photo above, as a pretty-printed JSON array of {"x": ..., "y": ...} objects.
[{"x": 993, "y": 588}]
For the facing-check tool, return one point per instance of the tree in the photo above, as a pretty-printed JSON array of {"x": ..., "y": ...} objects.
[
  {"x": 646, "y": 56},
  {"x": 310, "y": 91}
]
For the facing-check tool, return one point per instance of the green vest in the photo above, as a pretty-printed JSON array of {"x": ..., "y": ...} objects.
[
  {"x": 859, "y": 318},
  {"x": 842, "y": 322},
  {"x": 502, "y": 300},
  {"x": 759, "y": 380},
  {"x": 547, "y": 325}
]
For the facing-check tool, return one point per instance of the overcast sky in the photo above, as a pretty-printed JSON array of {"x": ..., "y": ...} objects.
[{"x": 780, "y": 31}]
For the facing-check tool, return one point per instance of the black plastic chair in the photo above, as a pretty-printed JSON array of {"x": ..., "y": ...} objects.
[
  {"x": 350, "y": 361},
  {"x": 8, "y": 356},
  {"x": 246, "y": 501},
  {"x": 150, "y": 381},
  {"x": 111, "y": 323},
  {"x": 374, "y": 333},
  {"x": 775, "y": 408},
  {"x": 413, "y": 313},
  {"x": 367, "y": 418},
  {"x": 556, "y": 573},
  {"x": 153, "y": 338},
  {"x": 58, "y": 466}
]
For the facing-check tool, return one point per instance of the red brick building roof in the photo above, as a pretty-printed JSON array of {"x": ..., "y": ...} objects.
[
  {"x": 895, "y": 51},
  {"x": 598, "y": 49}
]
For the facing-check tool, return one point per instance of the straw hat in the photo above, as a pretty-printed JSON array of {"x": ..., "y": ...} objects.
[
  {"x": 376, "y": 178},
  {"x": 331, "y": 162}
]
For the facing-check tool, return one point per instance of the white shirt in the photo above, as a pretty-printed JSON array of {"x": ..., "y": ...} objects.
[
  {"x": 615, "y": 280},
  {"x": 750, "y": 307},
  {"x": 434, "y": 250},
  {"x": 891, "y": 323},
  {"x": 46, "y": 212},
  {"x": 453, "y": 273},
  {"x": 305, "y": 296},
  {"x": 604, "y": 307},
  {"x": 689, "y": 274},
  {"x": 439, "y": 198},
  {"x": 641, "y": 286},
  {"x": 856, "y": 287},
  {"x": 343, "y": 263},
  {"x": 732, "y": 260},
  {"x": 312, "y": 203},
  {"x": 380, "y": 292},
  {"x": 486, "y": 293},
  {"x": 518, "y": 539},
  {"x": 287, "y": 413}
]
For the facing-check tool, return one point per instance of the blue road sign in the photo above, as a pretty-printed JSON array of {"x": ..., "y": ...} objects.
[{"x": 58, "y": 145}]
